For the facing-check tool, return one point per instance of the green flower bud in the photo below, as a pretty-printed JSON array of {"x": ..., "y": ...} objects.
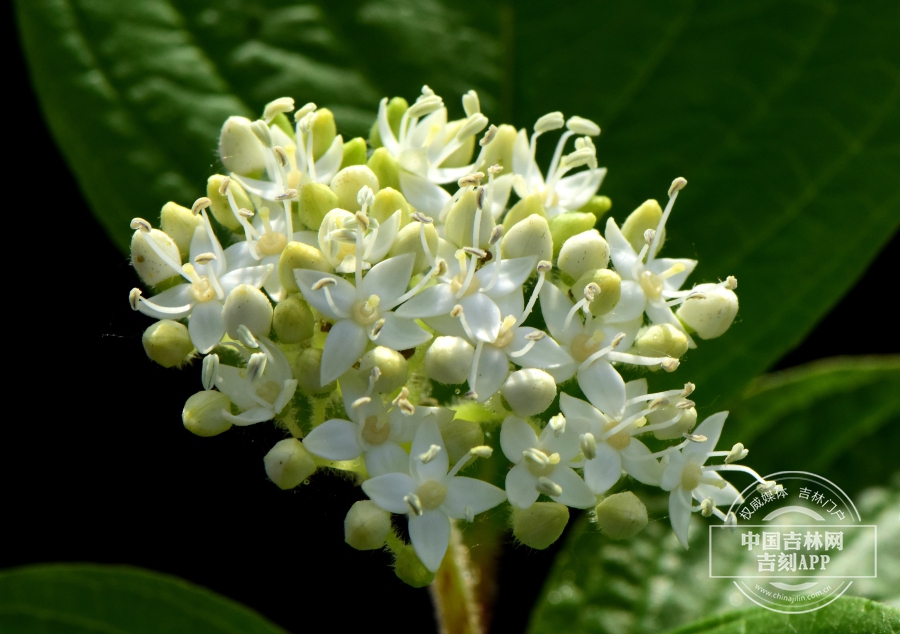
[
  {"x": 203, "y": 413},
  {"x": 395, "y": 110},
  {"x": 583, "y": 252},
  {"x": 409, "y": 241},
  {"x": 391, "y": 364},
  {"x": 347, "y": 183},
  {"x": 530, "y": 236},
  {"x": 684, "y": 425},
  {"x": 221, "y": 210},
  {"x": 661, "y": 340},
  {"x": 281, "y": 121},
  {"x": 388, "y": 202},
  {"x": 366, "y": 526},
  {"x": 248, "y": 306},
  {"x": 297, "y": 255},
  {"x": 146, "y": 262},
  {"x": 323, "y": 131},
  {"x": 289, "y": 463},
  {"x": 385, "y": 167},
  {"x": 597, "y": 205},
  {"x": 463, "y": 155},
  {"x": 239, "y": 149},
  {"x": 710, "y": 312},
  {"x": 610, "y": 290},
  {"x": 541, "y": 524},
  {"x": 449, "y": 360},
  {"x": 500, "y": 150},
  {"x": 571, "y": 223},
  {"x": 459, "y": 437},
  {"x": 293, "y": 320},
  {"x": 621, "y": 515},
  {"x": 168, "y": 343},
  {"x": 179, "y": 223},
  {"x": 645, "y": 217},
  {"x": 525, "y": 208},
  {"x": 354, "y": 152},
  {"x": 410, "y": 569},
  {"x": 529, "y": 391},
  {"x": 306, "y": 367},
  {"x": 461, "y": 219},
  {"x": 315, "y": 200}
]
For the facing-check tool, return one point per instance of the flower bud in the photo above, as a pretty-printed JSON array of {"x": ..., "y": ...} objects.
[
  {"x": 314, "y": 201},
  {"x": 293, "y": 321},
  {"x": 530, "y": 236},
  {"x": 541, "y": 524},
  {"x": 247, "y": 305},
  {"x": 709, "y": 315},
  {"x": 597, "y": 205},
  {"x": 203, "y": 413},
  {"x": 146, "y": 262},
  {"x": 621, "y": 515},
  {"x": 168, "y": 343},
  {"x": 529, "y": 391},
  {"x": 239, "y": 148},
  {"x": 449, "y": 360},
  {"x": 393, "y": 367},
  {"x": 684, "y": 425},
  {"x": 289, "y": 463},
  {"x": 461, "y": 219},
  {"x": 610, "y": 290},
  {"x": 221, "y": 210},
  {"x": 179, "y": 223},
  {"x": 323, "y": 130},
  {"x": 571, "y": 223},
  {"x": 388, "y": 202},
  {"x": 366, "y": 526},
  {"x": 297, "y": 255},
  {"x": 347, "y": 183},
  {"x": 463, "y": 155},
  {"x": 500, "y": 150},
  {"x": 529, "y": 206},
  {"x": 306, "y": 369},
  {"x": 385, "y": 167},
  {"x": 354, "y": 152},
  {"x": 583, "y": 252},
  {"x": 645, "y": 217},
  {"x": 661, "y": 340},
  {"x": 410, "y": 569},
  {"x": 409, "y": 241},
  {"x": 396, "y": 108},
  {"x": 459, "y": 437}
]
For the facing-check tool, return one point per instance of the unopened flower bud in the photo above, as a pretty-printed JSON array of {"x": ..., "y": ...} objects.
[
  {"x": 569, "y": 224},
  {"x": 366, "y": 526},
  {"x": 529, "y": 391},
  {"x": 460, "y": 436},
  {"x": 529, "y": 206},
  {"x": 354, "y": 152},
  {"x": 385, "y": 167},
  {"x": 204, "y": 413},
  {"x": 323, "y": 131},
  {"x": 148, "y": 264},
  {"x": 239, "y": 148},
  {"x": 621, "y": 515},
  {"x": 645, "y": 217},
  {"x": 392, "y": 367},
  {"x": 583, "y": 252},
  {"x": 449, "y": 360},
  {"x": 530, "y": 237},
  {"x": 289, "y": 463},
  {"x": 293, "y": 321},
  {"x": 685, "y": 423},
  {"x": 315, "y": 200},
  {"x": 347, "y": 183},
  {"x": 248, "y": 306},
  {"x": 461, "y": 220},
  {"x": 219, "y": 205},
  {"x": 297, "y": 255},
  {"x": 410, "y": 569},
  {"x": 598, "y": 206},
  {"x": 541, "y": 524},
  {"x": 711, "y": 312},
  {"x": 499, "y": 150},
  {"x": 306, "y": 368},
  {"x": 610, "y": 290},
  {"x": 396, "y": 108},
  {"x": 179, "y": 223},
  {"x": 388, "y": 202},
  {"x": 168, "y": 343},
  {"x": 661, "y": 340},
  {"x": 410, "y": 241}
]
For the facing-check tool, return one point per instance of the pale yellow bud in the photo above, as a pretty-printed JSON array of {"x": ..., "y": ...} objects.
[
  {"x": 500, "y": 150},
  {"x": 323, "y": 131},
  {"x": 621, "y": 515},
  {"x": 393, "y": 368},
  {"x": 239, "y": 148},
  {"x": 449, "y": 360},
  {"x": 610, "y": 290},
  {"x": 529, "y": 391},
  {"x": 297, "y": 255},
  {"x": 366, "y": 526},
  {"x": 597, "y": 205},
  {"x": 179, "y": 224},
  {"x": 711, "y": 313},
  {"x": 385, "y": 167},
  {"x": 459, "y": 437},
  {"x": 168, "y": 343},
  {"x": 645, "y": 217},
  {"x": 219, "y": 206},
  {"x": 410, "y": 569},
  {"x": 583, "y": 252},
  {"x": 684, "y": 425},
  {"x": 541, "y": 524},
  {"x": 289, "y": 463},
  {"x": 354, "y": 152},
  {"x": 529, "y": 206},
  {"x": 388, "y": 202},
  {"x": 661, "y": 340},
  {"x": 529, "y": 237},
  {"x": 306, "y": 367},
  {"x": 248, "y": 306},
  {"x": 571, "y": 223},
  {"x": 147, "y": 263},
  {"x": 293, "y": 321},
  {"x": 347, "y": 183},
  {"x": 204, "y": 413},
  {"x": 461, "y": 220},
  {"x": 396, "y": 108}
]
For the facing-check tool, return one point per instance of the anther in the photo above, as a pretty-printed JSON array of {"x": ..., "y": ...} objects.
[
  {"x": 730, "y": 520},
  {"x": 246, "y": 337},
  {"x": 591, "y": 290},
  {"x": 694, "y": 437},
  {"x": 548, "y": 487},
  {"x": 471, "y": 180},
  {"x": 325, "y": 281},
  {"x": 200, "y": 204},
  {"x": 134, "y": 298},
  {"x": 579, "y": 125},
  {"x": 363, "y": 220},
  {"x": 481, "y": 451},
  {"x": 281, "y": 155},
  {"x": 496, "y": 234},
  {"x": 282, "y": 105},
  {"x": 256, "y": 366},
  {"x": 545, "y": 266},
  {"x": 210, "y": 371},
  {"x": 377, "y": 328},
  {"x": 738, "y": 452},
  {"x": 141, "y": 224},
  {"x": 731, "y": 282},
  {"x": 479, "y": 201},
  {"x": 470, "y": 514},
  {"x": 289, "y": 194},
  {"x": 414, "y": 504},
  {"x": 669, "y": 364},
  {"x": 769, "y": 486},
  {"x": 537, "y": 335},
  {"x": 617, "y": 340},
  {"x": 558, "y": 424},
  {"x": 420, "y": 217},
  {"x": 489, "y": 135},
  {"x": 305, "y": 110},
  {"x": 536, "y": 456},
  {"x": 205, "y": 258},
  {"x": 550, "y": 121},
  {"x": 245, "y": 213},
  {"x": 588, "y": 446},
  {"x": 685, "y": 404},
  {"x": 261, "y": 131},
  {"x": 472, "y": 395},
  {"x": 430, "y": 455},
  {"x": 649, "y": 234},
  {"x": 223, "y": 188},
  {"x": 478, "y": 253},
  {"x": 677, "y": 185},
  {"x": 493, "y": 170},
  {"x": 404, "y": 394},
  {"x": 706, "y": 507},
  {"x": 688, "y": 389},
  {"x": 440, "y": 267},
  {"x": 456, "y": 311},
  {"x": 362, "y": 400},
  {"x": 405, "y": 407}
]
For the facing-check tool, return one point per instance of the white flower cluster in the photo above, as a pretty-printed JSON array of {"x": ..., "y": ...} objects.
[{"x": 335, "y": 286}]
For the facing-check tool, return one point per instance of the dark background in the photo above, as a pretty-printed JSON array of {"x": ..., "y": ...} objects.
[{"x": 97, "y": 467}]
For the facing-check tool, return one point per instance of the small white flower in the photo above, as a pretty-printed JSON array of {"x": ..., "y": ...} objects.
[
  {"x": 430, "y": 495},
  {"x": 337, "y": 239}
]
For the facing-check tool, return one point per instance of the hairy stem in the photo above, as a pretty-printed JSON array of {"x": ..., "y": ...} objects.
[{"x": 456, "y": 608}]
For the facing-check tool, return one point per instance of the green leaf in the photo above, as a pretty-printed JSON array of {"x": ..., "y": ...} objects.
[
  {"x": 844, "y": 616},
  {"x": 83, "y": 599}
]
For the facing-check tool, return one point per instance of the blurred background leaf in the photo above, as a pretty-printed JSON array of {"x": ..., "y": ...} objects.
[{"x": 88, "y": 599}]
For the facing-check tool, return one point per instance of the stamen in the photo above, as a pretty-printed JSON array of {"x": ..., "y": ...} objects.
[
  {"x": 325, "y": 281},
  {"x": 677, "y": 185},
  {"x": 496, "y": 234},
  {"x": 649, "y": 234},
  {"x": 280, "y": 155},
  {"x": 730, "y": 520},
  {"x": 282, "y": 105},
  {"x": 430, "y": 455},
  {"x": 374, "y": 375},
  {"x": 536, "y": 457},
  {"x": 471, "y": 180},
  {"x": 579, "y": 125},
  {"x": 476, "y": 358},
  {"x": 425, "y": 248},
  {"x": 210, "y": 371},
  {"x": 256, "y": 366},
  {"x": 404, "y": 394},
  {"x": 414, "y": 504},
  {"x": 245, "y": 213},
  {"x": 362, "y": 400},
  {"x": 134, "y": 298},
  {"x": 558, "y": 424},
  {"x": 478, "y": 253},
  {"x": 246, "y": 337},
  {"x": 543, "y": 268},
  {"x": 305, "y": 110},
  {"x": 288, "y": 194},
  {"x": 489, "y": 135},
  {"x": 458, "y": 312},
  {"x": 706, "y": 507},
  {"x": 377, "y": 328},
  {"x": 205, "y": 258},
  {"x": 470, "y": 514},
  {"x": 738, "y": 452},
  {"x": 582, "y": 303},
  {"x": 261, "y": 131},
  {"x": 481, "y": 451},
  {"x": 548, "y": 487},
  {"x": 200, "y": 204},
  {"x": 698, "y": 438},
  {"x": 731, "y": 282},
  {"x": 588, "y": 446},
  {"x": 532, "y": 338}
]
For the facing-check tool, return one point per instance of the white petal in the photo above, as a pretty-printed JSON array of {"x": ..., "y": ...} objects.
[
  {"x": 711, "y": 428},
  {"x": 334, "y": 439},
  {"x": 575, "y": 492},
  {"x": 566, "y": 444},
  {"x": 235, "y": 387},
  {"x": 620, "y": 250},
  {"x": 631, "y": 303},
  {"x": 513, "y": 274},
  {"x": 173, "y": 303},
  {"x": 564, "y": 372},
  {"x": 330, "y": 162},
  {"x": 604, "y": 470},
  {"x": 477, "y": 495},
  {"x": 252, "y": 275},
  {"x": 520, "y": 487},
  {"x": 482, "y": 315},
  {"x": 428, "y": 434},
  {"x": 388, "y": 491},
  {"x": 401, "y": 334},
  {"x": 579, "y": 411},
  {"x": 638, "y": 465},
  {"x": 515, "y": 437},
  {"x": 344, "y": 346},
  {"x": 430, "y": 536},
  {"x": 502, "y": 186},
  {"x": 288, "y": 389},
  {"x": 433, "y": 301},
  {"x": 388, "y": 140},
  {"x": 206, "y": 325},
  {"x": 238, "y": 256},
  {"x": 545, "y": 353},
  {"x": 493, "y": 368},
  {"x": 726, "y": 496},
  {"x": 387, "y": 457},
  {"x": 576, "y": 190},
  {"x": 422, "y": 193},
  {"x": 267, "y": 190},
  {"x": 250, "y": 417},
  {"x": 633, "y": 389},
  {"x": 511, "y": 303},
  {"x": 385, "y": 236},
  {"x": 522, "y": 162},
  {"x": 671, "y": 477},
  {"x": 202, "y": 242},
  {"x": 603, "y": 387},
  {"x": 555, "y": 307},
  {"x": 343, "y": 293},
  {"x": 680, "y": 514},
  {"x": 353, "y": 386},
  {"x": 388, "y": 280}
]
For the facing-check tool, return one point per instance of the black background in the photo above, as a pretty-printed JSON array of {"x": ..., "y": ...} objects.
[{"x": 96, "y": 466}]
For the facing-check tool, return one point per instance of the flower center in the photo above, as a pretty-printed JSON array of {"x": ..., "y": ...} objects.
[
  {"x": 618, "y": 440},
  {"x": 506, "y": 335},
  {"x": 432, "y": 494},
  {"x": 691, "y": 476},
  {"x": 457, "y": 283},
  {"x": 366, "y": 311},
  {"x": 271, "y": 243},
  {"x": 538, "y": 463},
  {"x": 268, "y": 391},
  {"x": 375, "y": 430},
  {"x": 651, "y": 284},
  {"x": 584, "y": 346}
]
